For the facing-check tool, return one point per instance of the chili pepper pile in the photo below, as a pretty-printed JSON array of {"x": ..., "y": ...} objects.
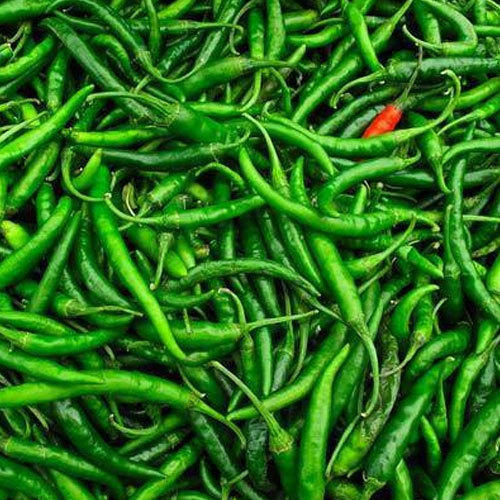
[{"x": 249, "y": 249}]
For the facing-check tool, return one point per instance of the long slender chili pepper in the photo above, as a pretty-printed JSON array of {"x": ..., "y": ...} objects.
[
  {"x": 342, "y": 226},
  {"x": 468, "y": 372},
  {"x": 223, "y": 71},
  {"x": 173, "y": 467},
  {"x": 269, "y": 219},
  {"x": 391, "y": 442},
  {"x": 19, "y": 263},
  {"x": 340, "y": 285},
  {"x": 468, "y": 98},
  {"x": 367, "y": 170},
  {"x": 27, "y": 142},
  {"x": 40, "y": 52},
  {"x": 118, "y": 254},
  {"x": 88, "y": 442},
  {"x": 427, "y": 22},
  {"x": 219, "y": 454},
  {"x": 473, "y": 285},
  {"x": 44, "y": 369},
  {"x": 353, "y": 370},
  {"x": 329, "y": 34},
  {"x": 223, "y": 268},
  {"x": 111, "y": 381},
  {"x": 349, "y": 66},
  {"x": 194, "y": 217},
  {"x": 41, "y": 345},
  {"x": 431, "y": 148},
  {"x": 49, "y": 282},
  {"x": 119, "y": 26},
  {"x": 89, "y": 270},
  {"x": 401, "y": 483},
  {"x": 41, "y": 163},
  {"x": 466, "y": 34},
  {"x": 16, "y": 477},
  {"x": 465, "y": 452},
  {"x": 304, "y": 382},
  {"x": 375, "y": 145},
  {"x": 400, "y": 318},
  {"x": 471, "y": 146},
  {"x": 357, "y": 445},
  {"x": 487, "y": 109},
  {"x": 60, "y": 459},
  {"x": 360, "y": 33},
  {"x": 281, "y": 443},
  {"x": 183, "y": 119},
  {"x": 452, "y": 342},
  {"x": 292, "y": 235},
  {"x": 314, "y": 437}
]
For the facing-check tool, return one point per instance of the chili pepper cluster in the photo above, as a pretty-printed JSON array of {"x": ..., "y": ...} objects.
[{"x": 249, "y": 249}]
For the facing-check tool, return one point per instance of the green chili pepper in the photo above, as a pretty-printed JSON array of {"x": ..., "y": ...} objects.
[
  {"x": 389, "y": 447},
  {"x": 465, "y": 452},
  {"x": 27, "y": 142}
]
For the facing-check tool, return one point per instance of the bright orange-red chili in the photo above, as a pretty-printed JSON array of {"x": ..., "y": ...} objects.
[{"x": 385, "y": 121}]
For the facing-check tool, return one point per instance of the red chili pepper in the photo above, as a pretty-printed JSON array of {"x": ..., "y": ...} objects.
[
  {"x": 385, "y": 121},
  {"x": 390, "y": 116}
]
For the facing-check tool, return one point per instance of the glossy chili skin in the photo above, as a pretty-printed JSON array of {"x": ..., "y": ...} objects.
[
  {"x": 41, "y": 51},
  {"x": 473, "y": 284},
  {"x": 314, "y": 437},
  {"x": 120, "y": 27},
  {"x": 466, "y": 450},
  {"x": 121, "y": 261},
  {"x": 44, "y": 345},
  {"x": 20, "y": 262},
  {"x": 93, "y": 278},
  {"x": 352, "y": 372},
  {"x": 484, "y": 491},
  {"x": 39, "y": 167},
  {"x": 452, "y": 342},
  {"x": 325, "y": 353},
  {"x": 254, "y": 247},
  {"x": 365, "y": 433},
  {"x": 349, "y": 225},
  {"x": 467, "y": 39},
  {"x": 91, "y": 445},
  {"x": 21, "y": 10},
  {"x": 359, "y": 30},
  {"x": 27, "y": 142},
  {"x": 349, "y": 67},
  {"x": 256, "y": 459},
  {"x": 214, "y": 42},
  {"x": 62, "y": 460},
  {"x": 342, "y": 116},
  {"x": 50, "y": 280},
  {"x": 159, "y": 446},
  {"x": 186, "y": 121},
  {"x": 16, "y": 477},
  {"x": 169, "y": 423},
  {"x": 392, "y": 441},
  {"x": 172, "y": 469},
  {"x": 197, "y": 217},
  {"x": 292, "y": 234},
  {"x": 219, "y": 454},
  {"x": 221, "y": 211}
]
